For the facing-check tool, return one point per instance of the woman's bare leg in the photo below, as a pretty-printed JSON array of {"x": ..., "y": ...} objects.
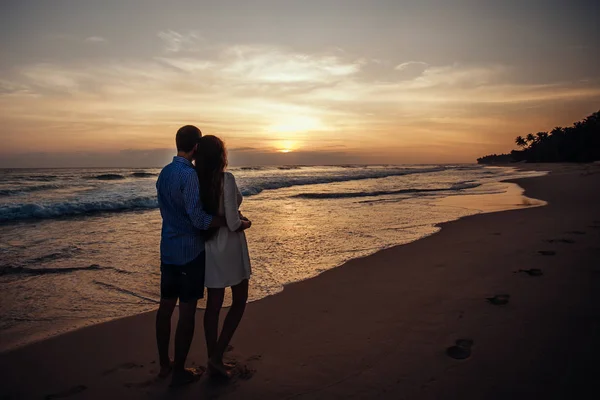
[
  {"x": 232, "y": 320},
  {"x": 211, "y": 318}
]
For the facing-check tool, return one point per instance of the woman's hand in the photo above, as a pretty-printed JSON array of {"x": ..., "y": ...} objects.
[{"x": 246, "y": 223}]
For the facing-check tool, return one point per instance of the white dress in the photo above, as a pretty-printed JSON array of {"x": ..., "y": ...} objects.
[{"x": 227, "y": 258}]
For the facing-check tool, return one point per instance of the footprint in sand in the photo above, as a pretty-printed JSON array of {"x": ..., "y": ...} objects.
[
  {"x": 547, "y": 252},
  {"x": 567, "y": 241},
  {"x": 531, "y": 271},
  {"x": 461, "y": 350},
  {"x": 499, "y": 299},
  {"x": 67, "y": 393}
]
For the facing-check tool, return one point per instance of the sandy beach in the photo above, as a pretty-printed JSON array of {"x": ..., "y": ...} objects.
[{"x": 379, "y": 326}]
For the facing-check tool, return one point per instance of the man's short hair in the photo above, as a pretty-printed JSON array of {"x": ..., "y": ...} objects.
[{"x": 187, "y": 137}]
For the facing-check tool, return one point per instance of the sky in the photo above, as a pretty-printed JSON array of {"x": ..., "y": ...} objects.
[{"x": 108, "y": 83}]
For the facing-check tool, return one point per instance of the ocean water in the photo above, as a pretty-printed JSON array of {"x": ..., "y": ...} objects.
[{"x": 80, "y": 246}]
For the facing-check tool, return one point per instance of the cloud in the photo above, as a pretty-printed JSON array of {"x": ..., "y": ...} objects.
[
  {"x": 8, "y": 88},
  {"x": 242, "y": 149},
  {"x": 96, "y": 39},
  {"x": 175, "y": 42},
  {"x": 459, "y": 75},
  {"x": 409, "y": 70},
  {"x": 44, "y": 76},
  {"x": 187, "y": 64},
  {"x": 276, "y": 65},
  {"x": 256, "y": 95},
  {"x": 409, "y": 64}
]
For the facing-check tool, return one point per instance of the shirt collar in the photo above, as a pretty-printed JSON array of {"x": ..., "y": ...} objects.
[{"x": 183, "y": 161}]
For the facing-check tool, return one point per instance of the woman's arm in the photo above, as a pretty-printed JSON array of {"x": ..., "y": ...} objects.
[{"x": 232, "y": 215}]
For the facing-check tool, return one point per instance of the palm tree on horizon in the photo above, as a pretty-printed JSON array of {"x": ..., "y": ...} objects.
[
  {"x": 541, "y": 136},
  {"x": 531, "y": 138},
  {"x": 521, "y": 141},
  {"x": 579, "y": 142}
]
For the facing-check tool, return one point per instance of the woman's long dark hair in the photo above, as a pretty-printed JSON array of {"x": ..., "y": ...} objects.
[{"x": 211, "y": 161}]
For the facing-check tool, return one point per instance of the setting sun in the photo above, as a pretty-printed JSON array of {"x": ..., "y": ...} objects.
[{"x": 286, "y": 146}]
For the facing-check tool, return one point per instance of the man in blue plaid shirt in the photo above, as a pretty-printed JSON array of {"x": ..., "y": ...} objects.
[{"x": 181, "y": 253}]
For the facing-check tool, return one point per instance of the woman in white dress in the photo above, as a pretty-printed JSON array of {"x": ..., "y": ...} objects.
[{"x": 227, "y": 258}]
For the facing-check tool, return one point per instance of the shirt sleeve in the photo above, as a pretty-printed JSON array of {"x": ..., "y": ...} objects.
[
  {"x": 232, "y": 214},
  {"x": 193, "y": 205}
]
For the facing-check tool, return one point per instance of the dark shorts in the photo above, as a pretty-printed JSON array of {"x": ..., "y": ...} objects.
[{"x": 183, "y": 282}]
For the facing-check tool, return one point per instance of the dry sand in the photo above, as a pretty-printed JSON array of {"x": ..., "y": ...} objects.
[{"x": 378, "y": 327}]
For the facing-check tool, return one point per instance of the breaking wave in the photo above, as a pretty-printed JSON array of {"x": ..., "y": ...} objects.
[
  {"x": 134, "y": 198},
  {"x": 27, "y": 189},
  {"x": 343, "y": 195},
  {"x": 66, "y": 209},
  {"x": 320, "y": 179}
]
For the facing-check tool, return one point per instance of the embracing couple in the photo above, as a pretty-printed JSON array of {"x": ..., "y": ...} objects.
[{"x": 202, "y": 245}]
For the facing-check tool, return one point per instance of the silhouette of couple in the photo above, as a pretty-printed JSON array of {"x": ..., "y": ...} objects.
[{"x": 202, "y": 245}]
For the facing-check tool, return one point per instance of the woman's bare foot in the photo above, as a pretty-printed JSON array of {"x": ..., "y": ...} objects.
[
  {"x": 185, "y": 377},
  {"x": 219, "y": 368},
  {"x": 229, "y": 365},
  {"x": 226, "y": 364}
]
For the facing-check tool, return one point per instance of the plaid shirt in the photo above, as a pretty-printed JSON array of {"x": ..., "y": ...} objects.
[{"x": 182, "y": 214}]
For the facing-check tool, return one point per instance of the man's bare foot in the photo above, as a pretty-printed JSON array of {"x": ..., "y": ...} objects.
[
  {"x": 165, "y": 370},
  {"x": 219, "y": 368},
  {"x": 186, "y": 376}
]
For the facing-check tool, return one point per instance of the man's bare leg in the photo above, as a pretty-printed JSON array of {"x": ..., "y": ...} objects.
[
  {"x": 163, "y": 334},
  {"x": 183, "y": 340}
]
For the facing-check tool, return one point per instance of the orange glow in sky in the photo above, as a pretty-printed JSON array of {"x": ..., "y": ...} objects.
[{"x": 394, "y": 82}]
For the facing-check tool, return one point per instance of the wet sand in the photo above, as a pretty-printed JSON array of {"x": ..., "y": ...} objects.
[{"x": 381, "y": 326}]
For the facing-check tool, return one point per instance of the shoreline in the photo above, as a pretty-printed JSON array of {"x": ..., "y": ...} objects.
[
  {"x": 496, "y": 202},
  {"x": 379, "y": 326}
]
